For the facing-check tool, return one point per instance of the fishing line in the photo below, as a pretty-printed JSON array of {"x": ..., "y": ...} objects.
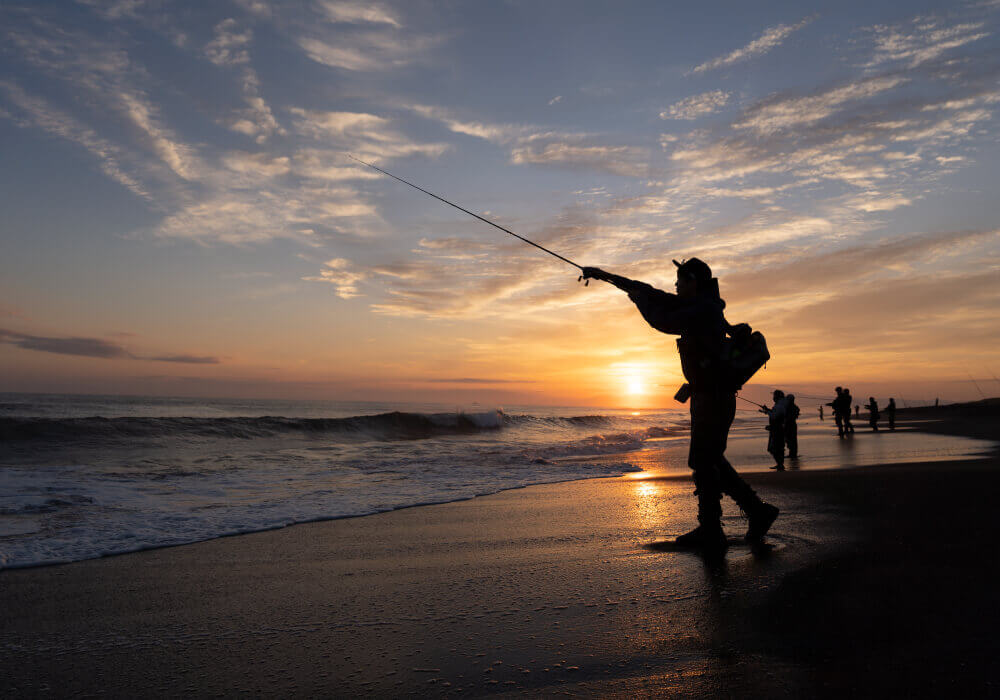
[
  {"x": 442, "y": 199},
  {"x": 749, "y": 401}
]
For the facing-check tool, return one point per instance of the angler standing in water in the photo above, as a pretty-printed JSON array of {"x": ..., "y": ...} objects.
[
  {"x": 792, "y": 412},
  {"x": 837, "y": 405},
  {"x": 890, "y": 413},
  {"x": 695, "y": 313},
  {"x": 776, "y": 415},
  {"x": 873, "y": 413}
]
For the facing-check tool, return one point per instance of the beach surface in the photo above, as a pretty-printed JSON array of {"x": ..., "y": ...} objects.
[{"x": 881, "y": 581}]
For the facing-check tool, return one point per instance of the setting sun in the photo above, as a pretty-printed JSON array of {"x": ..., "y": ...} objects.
[{"x": 635, "y": 385}]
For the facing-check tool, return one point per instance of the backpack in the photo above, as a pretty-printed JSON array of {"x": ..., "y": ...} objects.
[{"x": 744, "y": 351}]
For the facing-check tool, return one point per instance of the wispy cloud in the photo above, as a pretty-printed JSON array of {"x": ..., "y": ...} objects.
[
  {"x": 785, "y": 112},
  {"x": 921, "y": 40},
  {"x": 358, "y": 13},
  {"x": 90, "y": 347},
  {"x": 83, "y": 347},
  {"x": 370, "y": 136},
  {"x": 39, "y": 113},
  {"x": 230, "y": 48},
  {"x": 579, "y": 151},
  {"x": 344, "y": 275},
  {"x": 362, "y": 37},
  {"x": 477, "y": 380},
  {"x": 185, "y": 359},
  {"x": 770, "y": 39},
  {"x": 696, "y": 105}
]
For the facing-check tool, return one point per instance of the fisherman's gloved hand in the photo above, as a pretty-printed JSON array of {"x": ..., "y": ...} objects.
[{"x": 594, "y": 273}]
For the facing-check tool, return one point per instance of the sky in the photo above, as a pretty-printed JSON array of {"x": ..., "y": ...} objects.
[{"x": 179, "y": 216}]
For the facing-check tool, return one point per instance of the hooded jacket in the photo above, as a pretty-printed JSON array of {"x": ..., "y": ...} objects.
[{"x": 698, "y": 321}]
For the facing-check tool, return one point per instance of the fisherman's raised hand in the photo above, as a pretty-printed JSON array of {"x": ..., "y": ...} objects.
[{"x": 594, "y": 273}]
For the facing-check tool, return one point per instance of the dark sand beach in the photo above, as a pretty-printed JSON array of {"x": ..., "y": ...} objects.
[{"x": 881, "y": 582}]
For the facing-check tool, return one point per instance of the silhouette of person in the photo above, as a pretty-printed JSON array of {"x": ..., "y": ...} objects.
[
  {"x": 857, "y": 411},
  {"x": 890, "y": 413},
  {"x": 821, "y": 413},
  {"x": 695, "y": 313},
  {"x": 873, "y": 414},
  {"x": 792, "y": 426},
  {"x": 935, "y": 403},
  {"x": 776, "y": 429},
  {"x": 848, "y": 400},
  {"x": 837, "y": 405}
]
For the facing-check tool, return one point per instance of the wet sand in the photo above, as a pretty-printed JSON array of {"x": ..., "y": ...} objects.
[{"x": 882, "y": 582}]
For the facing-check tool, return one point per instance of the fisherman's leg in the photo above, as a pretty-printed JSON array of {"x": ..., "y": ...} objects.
[
  {"x": 702, "y": 456},
  {"x": 759, "y": 514},
  {"x": 792, "y": 438}
]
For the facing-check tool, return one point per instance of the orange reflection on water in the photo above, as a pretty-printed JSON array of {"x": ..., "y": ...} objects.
[{"x": 649, "y": 501}]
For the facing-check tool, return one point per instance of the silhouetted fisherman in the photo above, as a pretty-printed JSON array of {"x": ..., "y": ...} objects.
[
  {"x": 848, "y": 400},
  {"x": 857, "y": 411},
  {"x": 821, "y": 413},
  {"x": 695, "y": 313},
  {"x": 792, "y": 426},
  {"x": 837, "y": 405},
  {"x": 890, "y": 413},
  {"x": 873, "y": 414},
  {"x": 776, "y": 429}
]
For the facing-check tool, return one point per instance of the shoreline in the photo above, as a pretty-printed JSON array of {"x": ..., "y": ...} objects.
[{"x": 552, "y": 589}]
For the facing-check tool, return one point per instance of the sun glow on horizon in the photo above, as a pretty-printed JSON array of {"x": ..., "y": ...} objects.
[{"x": 634, "y": 385}]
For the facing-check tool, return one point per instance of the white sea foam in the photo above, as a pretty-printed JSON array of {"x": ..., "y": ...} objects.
[{"x": 79, "y": 515}]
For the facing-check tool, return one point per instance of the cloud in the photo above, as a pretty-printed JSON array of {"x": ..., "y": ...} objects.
[
  {"x": 358, "y": 13},
  {"x": 579, "y": 151},
  {"x": 765, "y": 42},
  {"x": 90, "y": 347},
  {"x": 320, "y": 164},
  {"x": 783, "y": 113},
  {"x": 923, "y": 307},
  {"x": 368, "y": 135},
  {"x": 82, "y": 347},
  {"x": 921, "y": 40},
  {"x": 42, "y": 115},
  {"x": 185, "y": 359},
  {"x": 362, "y": 37},
  {"x": 496, "y": 133},
  {"x": 229, "y": 47},
  {"x": 834, "y": 270},
  {"x": 116, "y": 9},
  {"x": 696, "y": 105},
  {"x": 477, "y": 380},
  {"x": 346, "y": 57},
  {"x": 343, "y": 275},
  {"x": 537, "y": 146},
  {"x": 179, "y": 157}
]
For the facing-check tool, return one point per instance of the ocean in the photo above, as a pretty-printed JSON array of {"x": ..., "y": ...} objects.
[{"x": 90, "y": 476}]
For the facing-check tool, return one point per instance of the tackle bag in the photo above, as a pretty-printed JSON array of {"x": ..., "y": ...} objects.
[{"x": 744, "y": 351}]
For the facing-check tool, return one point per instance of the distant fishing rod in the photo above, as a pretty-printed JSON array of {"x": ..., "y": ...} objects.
[
  {"x": 753, "y": 402},
  {"x": 442, "y": 199}
]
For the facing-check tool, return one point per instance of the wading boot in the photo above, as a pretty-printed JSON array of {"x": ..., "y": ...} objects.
[
  {"x": 759, "y": 521},
  {"x": 706, "y": 538}
]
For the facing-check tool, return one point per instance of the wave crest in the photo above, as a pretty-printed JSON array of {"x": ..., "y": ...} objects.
[{"x": 386, "y": 426}]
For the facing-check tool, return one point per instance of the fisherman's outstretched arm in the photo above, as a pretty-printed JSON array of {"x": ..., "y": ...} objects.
[
  {"x": 623, "y": 283},
  {"x": 662, "y": 310}
]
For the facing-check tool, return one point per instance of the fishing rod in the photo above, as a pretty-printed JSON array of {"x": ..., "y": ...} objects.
[
  {"x": 485, "y": 220},
  {"x": 753, "y": 402}
]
